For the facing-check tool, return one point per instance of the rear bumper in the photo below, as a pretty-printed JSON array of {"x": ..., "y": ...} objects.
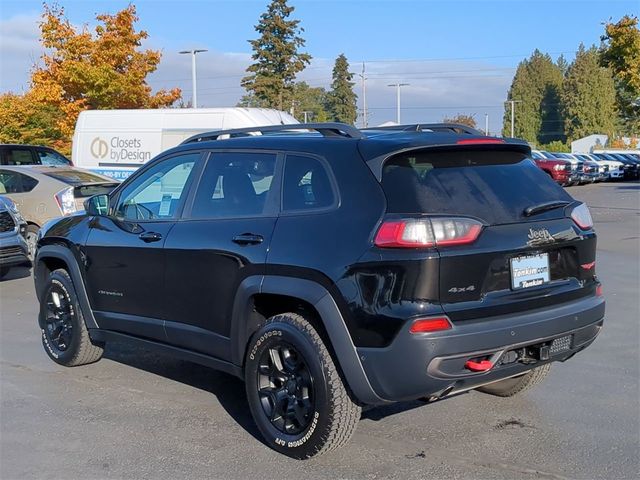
[{"x": 432, "y": 364}]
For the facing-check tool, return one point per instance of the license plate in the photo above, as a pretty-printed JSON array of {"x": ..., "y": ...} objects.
[{"x": 529, "y": 271}]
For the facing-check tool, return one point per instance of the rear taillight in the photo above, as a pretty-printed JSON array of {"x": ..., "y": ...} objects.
[
  {"x": 582, "y": 217},
  {"x": 599, "y": 291},
  {"x": 427, "y": 325},
  {"x": 428, "y": 232},
  {"x": 66, "y": 201}
]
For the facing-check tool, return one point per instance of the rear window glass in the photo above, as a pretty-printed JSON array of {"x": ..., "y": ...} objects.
[
  {"x": 77, "y": 177},
  {"x": 495, "y": 186}
]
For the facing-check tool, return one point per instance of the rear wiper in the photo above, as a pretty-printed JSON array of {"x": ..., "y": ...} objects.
[{"x": 543, "y": 207}]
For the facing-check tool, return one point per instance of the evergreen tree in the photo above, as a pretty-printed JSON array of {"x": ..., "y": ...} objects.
[
  {"x": 588, "y": 96},
  {"x": 536, "y": 89},
  {"x": 342, "y": 99},
  {"x": 620, "y": 51},
  {"x": 276, "y": 58}
]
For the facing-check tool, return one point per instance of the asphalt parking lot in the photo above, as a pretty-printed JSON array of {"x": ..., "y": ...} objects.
[{"x": 149, "y": 416}]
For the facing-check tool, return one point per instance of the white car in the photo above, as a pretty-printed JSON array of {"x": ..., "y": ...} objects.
[{"x": 616, "y": 169}]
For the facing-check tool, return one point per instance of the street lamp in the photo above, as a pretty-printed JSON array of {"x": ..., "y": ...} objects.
[
  {"x": 398, "y": 85},
  {"x": 194, "y": 96},
  {"x": 513, "y": 114}
]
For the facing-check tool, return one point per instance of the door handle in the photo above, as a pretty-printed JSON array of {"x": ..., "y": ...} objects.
[
  {"x": 248, "y": 239},
  {"x": 149, "y": 237}
]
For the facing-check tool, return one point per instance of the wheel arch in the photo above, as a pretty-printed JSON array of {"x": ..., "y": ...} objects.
[
  {"x": 262, "y": 296},
  {"x": 52, "y": 257}
]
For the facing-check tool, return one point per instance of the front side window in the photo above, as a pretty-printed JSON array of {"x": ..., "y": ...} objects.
[
  {"x": 235, "y": 185},
  {"x": 50, "y": 157},
  {"x": 306, "y": 184},
  {"x": 157, "y": 194}
]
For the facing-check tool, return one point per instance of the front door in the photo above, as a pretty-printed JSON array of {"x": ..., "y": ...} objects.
[
  {"x": 222, "y": 239},
  {"x": 125, "y": 257}
]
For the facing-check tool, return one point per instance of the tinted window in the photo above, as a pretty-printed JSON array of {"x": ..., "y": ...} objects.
[
  {"x": 306, "y": 184},
  {"x": 50, "y": 157},
  {"x": 157, "y": 193},
  {"x": 76, "y": 177},
  {"x": 18, "y": 156},
  {"x": 14, "y": 182},
  {"x": 495, "y": 186},
  {"x": 234, "y": 184}
]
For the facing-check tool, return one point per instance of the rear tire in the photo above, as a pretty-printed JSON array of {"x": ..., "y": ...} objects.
[
  {"x": 514, "y": 386},
  {"x": 64, "y": 334},
  {"x": 296, "y": 395}
]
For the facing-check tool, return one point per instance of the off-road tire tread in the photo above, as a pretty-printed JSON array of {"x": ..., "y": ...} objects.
[
  {"x": 527, "y": 381},
  {"x": 87, "y": 352},
  {"x": 345, "y": 413}
]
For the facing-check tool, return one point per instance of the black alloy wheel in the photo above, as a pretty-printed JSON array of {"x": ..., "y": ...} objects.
[
  {"x": 59, "y": 319},
  {"x": 285, "y": 388}
]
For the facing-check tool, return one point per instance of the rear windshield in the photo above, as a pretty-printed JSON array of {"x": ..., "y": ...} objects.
[
  {"x": 77, "y": 177},
  {"x": 495, "y": 186}
]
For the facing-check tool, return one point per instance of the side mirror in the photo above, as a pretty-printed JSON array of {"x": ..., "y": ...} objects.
[{"x": 98, "y": 205}]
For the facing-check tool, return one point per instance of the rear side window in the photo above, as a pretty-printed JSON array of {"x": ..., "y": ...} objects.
[
  {"x": 494, "y": 186},
  {"x": 235, "y": 185},
  {"x": 19, "y": 156},
  {"x": 306, "y": 184},
  {"x": 15, "y": 182}
]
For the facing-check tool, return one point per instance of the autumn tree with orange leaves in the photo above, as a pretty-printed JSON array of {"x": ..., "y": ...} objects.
[{"x": 81, "y": 70}]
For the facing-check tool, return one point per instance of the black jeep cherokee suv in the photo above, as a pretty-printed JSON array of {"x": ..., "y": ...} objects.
[{"x": 330, "y": 268}]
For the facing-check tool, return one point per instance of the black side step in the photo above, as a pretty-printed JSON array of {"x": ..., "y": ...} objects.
[{"x": 99, "y": 335}]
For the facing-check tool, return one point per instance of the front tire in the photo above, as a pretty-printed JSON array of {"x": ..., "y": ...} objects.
[
  {"x": 64, "y": 334},
  {"x": 514, "y": 386},
  {"x": 296, "y": 395}
]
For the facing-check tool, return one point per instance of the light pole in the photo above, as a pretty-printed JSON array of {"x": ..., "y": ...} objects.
[
  {"x": 194, "y": 95},
  {"x": 398, "y": 85},
  {"x": 364, "y": 97},
  {"x": 486, "y": 124},
  {"x": 307, "y": 115},
  {"x": 513, "y": 114}
]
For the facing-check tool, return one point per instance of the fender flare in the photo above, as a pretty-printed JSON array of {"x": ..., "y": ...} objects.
[
  {"x": 61, "y": 253},
  {"x": 333, "y": 321}
]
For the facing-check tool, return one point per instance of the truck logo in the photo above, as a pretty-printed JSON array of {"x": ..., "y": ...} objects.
[
  {"x": 540, "y": 235},
  {"x": 99, "y": 148}
]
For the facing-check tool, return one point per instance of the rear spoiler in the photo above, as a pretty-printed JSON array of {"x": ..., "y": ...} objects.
[{"x": 471, "y": 143}]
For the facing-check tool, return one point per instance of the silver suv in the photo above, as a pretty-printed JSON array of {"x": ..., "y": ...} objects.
[{"x": 13, "y": 229}]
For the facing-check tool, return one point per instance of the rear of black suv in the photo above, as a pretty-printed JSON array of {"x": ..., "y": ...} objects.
[{"x": 484, "y": 267}]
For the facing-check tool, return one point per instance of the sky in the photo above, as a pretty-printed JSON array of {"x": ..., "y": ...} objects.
[{"x": 456, "y": 56}]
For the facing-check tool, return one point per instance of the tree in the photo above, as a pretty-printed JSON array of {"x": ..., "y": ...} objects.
[
  {"x": 277, "y": 60},
  {"x": 342, "y": 100},
  {"x": 588, "y": 96},
  {"x": 462, "y": 118},
  {"x": 536, "y": 89},
  {"x": 24, "y": 120},
  {"x": 310, "y": 99},
  {"x": 620, "y": 51},
  {"x": 83, "y": 70}
]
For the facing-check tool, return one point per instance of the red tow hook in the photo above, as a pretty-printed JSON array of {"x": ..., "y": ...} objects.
[{"x": 481, "y": 366}]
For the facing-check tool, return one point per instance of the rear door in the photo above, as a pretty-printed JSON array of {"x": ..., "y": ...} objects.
[
  {"x": 520, "y": 260},
  {"x": 222, "y": 239}
]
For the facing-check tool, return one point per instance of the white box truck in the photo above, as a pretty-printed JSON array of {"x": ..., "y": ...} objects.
[{"x": 117, "y": 142}]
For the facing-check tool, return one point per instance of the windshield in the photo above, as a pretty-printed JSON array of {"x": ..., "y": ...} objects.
[{"x": 77, "y": 177}]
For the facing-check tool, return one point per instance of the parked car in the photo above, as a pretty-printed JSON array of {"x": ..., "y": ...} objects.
[
  {"x": 11, "y": 154},
  {"x": 557, "y": 168},
  {"x": 591, "y": 172},
  {"x": 614, "y": 168},
  {"x": 13, "y": 229},
  {"x": 45, "y": 192},
  {"x": 330, "y": 269},
  {"x": 630, "y": 169}
]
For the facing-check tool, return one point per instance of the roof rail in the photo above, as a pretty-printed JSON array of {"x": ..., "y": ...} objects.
[
  {"x": 325, "y": 129},
  {"x": 433, "y": 127}
]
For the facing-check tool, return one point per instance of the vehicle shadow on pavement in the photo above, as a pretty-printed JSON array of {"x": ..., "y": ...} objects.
[
  {"x": 228, "y": 389},
  {"x": 17, "y": 273},
  {"x": 629, "y": 187}
]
